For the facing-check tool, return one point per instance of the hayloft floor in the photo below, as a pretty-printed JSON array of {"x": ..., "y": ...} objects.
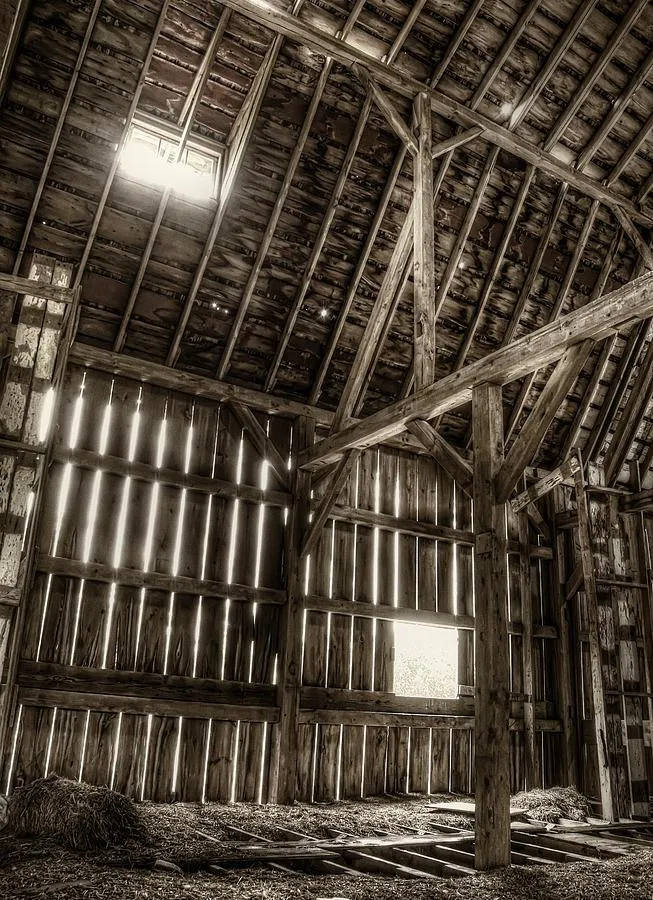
[{"x": 180, "y": 832}]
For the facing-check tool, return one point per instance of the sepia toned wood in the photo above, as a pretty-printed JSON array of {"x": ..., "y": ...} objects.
[
  {"x": 492, "y": 768},
  {"x": 548, "y": 344},
  {"x": 168, "y": 609},
  {"x": 609, "y": 802},
  {"x": 424, "y": 312}
]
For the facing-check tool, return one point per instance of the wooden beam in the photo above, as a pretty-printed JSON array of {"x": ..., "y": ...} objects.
[
  {"x": 459, "y": 36},
  {"x": 10, "y": 39},
  {"x": 598, "y": 372},
  {"x": 616, "y": 111},
  {"x": 461, "y": 238},
  {"x": 202, "y": 386},
  {"x": 279, "y": 203},
  {"x": 387, "y": 325},
  {"x": 535, "y": 264},
  {"x": 318, "y": 246},
  {"x": 133, "y": 106},
  {"x": 358, "y": 273},
  {"x": 530, "y": 437},
  {"x": 553, "y": 60},
  {"x": 405, "y": 30},
  {"x": 530, "y": 757},
  {"x": 598, "y": 67},
  {"x": 542, "y": 487},
  {"x": 385, "y": 521},
  {"x": 616, "y": 390},
  {"x": 459, "y": 139},
  {"x": 638, "y": 241},
  {"x": 387, "y": 107},
  {"x": 283, "y": 764},
  {"x": 393, "y": 274},
  {"x": 262, "y": 443},
  {"x": 424, "y": 312},
  {"x": 543, "y": 347},
  {"x": 327, "y": 502},
  {"x": 399, "y": 284},
  {"x": 190, "y": 383},
  {"x": 238, "y": 142},
  {"x": 642, "y": 501},
  {"x": 571, "y": 743},
  {"x": 575, "y": 582},
  {"x": 185, "y": 122},
  {"x": 74, "y": 568},
  {"x": 491, "y": 651},
  {"x": 374, "y": 227},
  {"x": 630, "y": 152},
  {"x": 557, "y": 308},
  {"x": 399, "y": 80},
  {"x": 118, "y": 465},
  {"x": 16, "y": 285},
  {"x": 591, "y": 607},
  {"x": 500, "y": 57},
  {"x": 495, "y": 268},
  {"x": 54, "y": 141},
  {"x": 448, "y": 457},
  {"x": 638, "y": 400},
  {"x": 272, "y": 222}
]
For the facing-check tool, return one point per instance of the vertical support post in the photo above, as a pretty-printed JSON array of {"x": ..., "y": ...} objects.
[
  {"x": 492, "y": 742},
  {"x": 567, "y": 695},
  {"x": 424, "y": 256},
  {"x": 598, "y": 695},
  {"x": 530, "y": 761},
  {"x": 284, "y": 750}
]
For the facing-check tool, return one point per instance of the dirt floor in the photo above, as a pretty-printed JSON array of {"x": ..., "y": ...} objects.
[{"x": 39, "y": 868}]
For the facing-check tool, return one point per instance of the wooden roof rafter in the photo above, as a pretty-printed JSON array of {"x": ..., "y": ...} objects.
[
  {"x": 567, "y": 38},
  {"x": 631, "y": 417},
  {"x": 61, "y": 119},
  {"x": 185, "y": 123},
  {"x": 616, "y": 111},
  {"x": 383, "y": 312},
  {"x": 399, "y": 80},
  {"x": 616, "y": 391},
  {"x": 556, "y": 310},
  {"x": 275, "y": 215},
  {"x": 237, "y": 142},
  {"x": 598, "y": 67},
  {"x": 519, "y": 114},
  {"x": 571, "y": 441},
  {"x": 334, "y": 201},
  {"x": 133, "y": 106}
]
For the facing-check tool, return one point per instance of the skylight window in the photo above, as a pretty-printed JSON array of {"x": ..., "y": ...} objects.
[
  {"x": 426, "y": 661},
  {"x": 151, "y": 156}
]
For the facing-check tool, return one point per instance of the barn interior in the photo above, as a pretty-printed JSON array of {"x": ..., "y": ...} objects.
[{"x": 326, "y": 438}]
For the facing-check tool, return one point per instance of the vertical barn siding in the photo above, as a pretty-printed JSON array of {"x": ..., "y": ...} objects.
[
  {"x": 129, "y": 507},
  {"x": 144, "y": 525}
]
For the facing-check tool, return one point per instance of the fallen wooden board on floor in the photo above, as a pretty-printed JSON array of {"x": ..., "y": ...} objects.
[{"x": 466, "y": 808}]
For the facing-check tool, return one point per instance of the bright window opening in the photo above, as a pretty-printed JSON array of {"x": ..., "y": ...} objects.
[
  {"x": 426, "y": 661},
  {"x": 151, "y": 157}
]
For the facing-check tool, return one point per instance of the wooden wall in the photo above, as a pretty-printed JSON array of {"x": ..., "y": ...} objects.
[
  {"x": 151, "y": 650},
  {"x": 606, "y": 555}
]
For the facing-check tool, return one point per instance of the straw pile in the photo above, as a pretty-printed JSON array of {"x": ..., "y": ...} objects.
[
  {"x": 553, "y": 804},
  {"x": 77, "y": 815}
]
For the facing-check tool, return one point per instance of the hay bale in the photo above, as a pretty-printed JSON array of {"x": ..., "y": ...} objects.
[
  {"x": 553, "y": 804},
  {"x": 77, "y": 815}
]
